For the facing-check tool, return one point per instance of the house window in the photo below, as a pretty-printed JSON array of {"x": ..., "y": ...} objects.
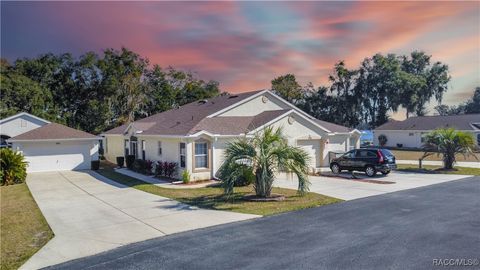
[
  {"x": 478, "y": 139},
  {"x": 422, "y": 139},
  {"x": 201, "y": 155},
  {"x": 23, "y": 123},
  {"x": 143, "y": 149},
  {"x": 159, "y": 148},
  {"x": 410, "y": 134},
  {"x": 106, "y": 144},
  {"x": 182, "y": 155}
]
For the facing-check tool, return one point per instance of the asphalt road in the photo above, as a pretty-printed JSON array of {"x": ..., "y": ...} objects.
[{"x": 402, "y": 230}]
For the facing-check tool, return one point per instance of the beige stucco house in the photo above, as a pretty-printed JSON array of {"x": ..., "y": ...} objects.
[{"x": 195, "y": 135}]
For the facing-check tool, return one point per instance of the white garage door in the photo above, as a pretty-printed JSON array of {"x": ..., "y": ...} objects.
[
  {"x": 58, "y": 156},
  {"x": 312, "y": 147}
]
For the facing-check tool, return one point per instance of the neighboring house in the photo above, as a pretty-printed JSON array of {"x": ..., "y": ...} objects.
[
  {"x": 49, "y": 146},
  {"x": 410, "y": 132},
  {"x": 18, "y": 124},
  {"x": 195, "y": 135}
]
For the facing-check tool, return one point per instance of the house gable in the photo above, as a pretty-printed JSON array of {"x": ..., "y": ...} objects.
[
  {"x": 20, "y": 123},
  {"x": 264, "y": 102}
]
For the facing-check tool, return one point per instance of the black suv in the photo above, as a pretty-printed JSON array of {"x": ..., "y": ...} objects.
[{"x": 369, "y": 160}]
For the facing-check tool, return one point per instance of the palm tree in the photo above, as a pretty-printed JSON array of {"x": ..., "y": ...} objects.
[
  {"x": 265, "y": 154},
  {"x": 449, "y": 142},
  {"x": 13, "y": 167}
]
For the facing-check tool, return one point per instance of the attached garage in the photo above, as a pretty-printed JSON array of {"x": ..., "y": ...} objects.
[
  {"x": 55, "y": 147},
  {"x": 314, "y": 149}
]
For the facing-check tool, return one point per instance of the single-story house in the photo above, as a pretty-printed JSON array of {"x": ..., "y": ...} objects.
[
  {"x": 195, "y": 135},
  {"x": 49, "y": 146},
  {"x": 410, "y": 132}
]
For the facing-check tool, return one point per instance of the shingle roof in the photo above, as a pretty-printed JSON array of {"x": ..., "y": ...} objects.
[
  {"x": 460, "y": 122},
  {"x": 53, "y": 131},
  {"x": 182, "y": 120},
  {"x": 332, "y": 127},
  {"x": 192, "y": 118}
]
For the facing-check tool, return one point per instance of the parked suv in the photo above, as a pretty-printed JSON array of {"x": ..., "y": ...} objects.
[{"x": 369, "y": 160}]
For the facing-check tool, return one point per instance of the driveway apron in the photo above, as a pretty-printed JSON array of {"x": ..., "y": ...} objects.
[{"x": 89, "y": 214}]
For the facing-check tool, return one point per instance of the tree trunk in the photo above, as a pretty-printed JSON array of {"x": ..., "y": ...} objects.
[
  {"x": 263, "y": 183},
  {"x": 448, "y": 161}
]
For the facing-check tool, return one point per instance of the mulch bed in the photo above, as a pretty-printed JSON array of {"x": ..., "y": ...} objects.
[
  {"x": 192, "y": 183},
  {"x": 273, "y": 198}
]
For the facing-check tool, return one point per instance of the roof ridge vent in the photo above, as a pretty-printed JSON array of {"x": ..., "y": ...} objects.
[{"x": 233, "y": 96}]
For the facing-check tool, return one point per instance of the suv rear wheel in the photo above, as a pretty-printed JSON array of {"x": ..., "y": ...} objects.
[
  {"x": 370, "y": 171},
  {"x": 335, "y": 168}
]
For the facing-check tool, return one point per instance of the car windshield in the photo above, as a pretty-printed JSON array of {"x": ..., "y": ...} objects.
[{"x": 386, "y": 153}]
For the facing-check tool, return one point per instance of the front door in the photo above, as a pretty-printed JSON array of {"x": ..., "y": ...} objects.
[{"x": 134, "y": 149}]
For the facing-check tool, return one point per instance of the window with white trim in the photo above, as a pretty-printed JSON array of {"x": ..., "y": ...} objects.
[
  {"x": 159, "y": 148},
  {"x": 183, "y": 160},
  {"x": 201, "y": 155}
]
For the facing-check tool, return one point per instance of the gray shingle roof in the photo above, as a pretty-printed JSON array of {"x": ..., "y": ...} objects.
[
  {"x": 183, "y": 120},
  {"x": 460, "y": 122},
  {"x": 332, "y": 127},
  {"x": 53, "y": 131},
  {"x": 192, "y": 118}
]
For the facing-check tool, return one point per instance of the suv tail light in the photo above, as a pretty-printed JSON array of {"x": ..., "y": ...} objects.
[{"x": 380, "y": 156}]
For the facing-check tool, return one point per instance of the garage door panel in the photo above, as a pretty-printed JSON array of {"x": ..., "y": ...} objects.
[
  {"x": 55, "y": 157},
  {"x": 312, "y": 147}
]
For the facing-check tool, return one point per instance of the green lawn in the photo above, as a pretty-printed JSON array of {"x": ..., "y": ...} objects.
[
  {"x": 24, "y": 230},
  {"x": 438, "y": 169},
  {"x": 212, "y": 197},
  {"x": 415, "y": 155}
]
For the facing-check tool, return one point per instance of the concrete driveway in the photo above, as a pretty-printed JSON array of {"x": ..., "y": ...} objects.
[
  {"x": 90, "y": 214},
  {"x": 351, "y": 189},
  {"x": 408, "y": 229}
]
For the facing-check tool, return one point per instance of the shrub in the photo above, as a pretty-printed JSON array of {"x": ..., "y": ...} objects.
[
  {"x": 139, "y": 166},
  {"x": 120, "y": 161},
  {"x": 382, "y": 139},
  {"x": 13, "y": 167},
  {"x": 129, "y": 160},
  {"x": 148, "y": 166},
  {"x": 165, "y": 168},
  {"x": 159, "y": 168},
  {"x": 170, "y": 169},
  {"x": 185, "y": 177},
  {"x": 95, "y": 165},
  {"x": 246, "y": 178}
]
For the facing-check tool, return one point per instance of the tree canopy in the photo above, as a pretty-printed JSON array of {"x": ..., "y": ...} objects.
[
  {"x": 366, "y": 96},
  {"x": 94, "y": 92}
]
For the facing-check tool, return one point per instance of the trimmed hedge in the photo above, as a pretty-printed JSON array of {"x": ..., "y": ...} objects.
[
  {"x": 120, "y": 161},
  {"x": 129, "y": 161}
]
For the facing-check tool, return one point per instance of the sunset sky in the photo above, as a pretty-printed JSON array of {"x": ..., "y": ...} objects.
[{"x": 244, "y": 45}]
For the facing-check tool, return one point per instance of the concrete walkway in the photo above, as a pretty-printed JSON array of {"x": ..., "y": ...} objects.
[
  {"x": 90, "y": 214},
  {"x": 467, "y": 164},
  {"x": 161, "y": 183},
  {"x": 351, "y": 189}
]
